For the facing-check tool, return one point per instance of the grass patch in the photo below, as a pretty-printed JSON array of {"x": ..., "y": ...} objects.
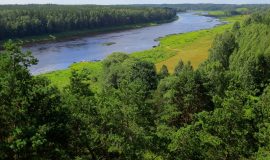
[
  {"x": 217, "y": 13},
  {"x": 192, "y": 46},
  {"x": 108, "y": 43},
  {"x": 242, "y": 9},
  {"x": 61, "y": 78}
]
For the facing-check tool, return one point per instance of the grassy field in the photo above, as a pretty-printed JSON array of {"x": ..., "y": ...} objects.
[
  {"x": 60, "y": 78},
  {"x": 220, "y": 13},
  {"x": 217, "y": 13},
  {"x": 192, "y": 46}
]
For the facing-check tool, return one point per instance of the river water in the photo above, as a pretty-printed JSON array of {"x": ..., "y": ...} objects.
[{"x": 60, "y": 55}]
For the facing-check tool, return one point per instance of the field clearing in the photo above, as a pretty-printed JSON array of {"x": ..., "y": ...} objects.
[
  {"x": 196, "y": 52},
  {"x": 192, "y": 46},
  {"x": 61, "y": 78},
  {"x": 217, "y": 13}
]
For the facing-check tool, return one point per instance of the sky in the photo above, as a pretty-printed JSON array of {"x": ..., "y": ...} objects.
[{"x": 132, "y": 1}]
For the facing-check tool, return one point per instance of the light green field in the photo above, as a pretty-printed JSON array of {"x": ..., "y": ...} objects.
[
  {"x": 61, "y": 78},
  {"x": 217, "y": 13},
  {"x": 192, "y": 46},
  {"x": 242, "y": 9}
]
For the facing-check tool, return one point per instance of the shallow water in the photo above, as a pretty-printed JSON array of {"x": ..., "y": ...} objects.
[{"x": 59, "y": 55}]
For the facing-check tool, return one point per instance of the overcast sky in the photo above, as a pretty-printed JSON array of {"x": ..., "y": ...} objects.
[{"x": 130, "y": 1}]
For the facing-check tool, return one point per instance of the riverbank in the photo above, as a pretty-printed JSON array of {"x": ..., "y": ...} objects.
[
  {"x": 224, "y": 14},
  {"x": 192, "y": 46},
  {"x": 70, "y": 35},
  {"x": 197, "y": 49}
]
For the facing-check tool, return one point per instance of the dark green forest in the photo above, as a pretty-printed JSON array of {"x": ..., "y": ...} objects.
[
  {"x": 18, "y": 21},
  {"x": 210, "y": 7},
  {"x": 219, "y": 111}
]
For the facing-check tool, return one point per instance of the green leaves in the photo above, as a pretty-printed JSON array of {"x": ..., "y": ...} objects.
[
  {"x": 220, "y": 111},
  {"x": 183, "y": 95},
  {"x": 34, "y": 20},
  {"x": 39, "y": 138},
  {"x": 79, "y": 83},
  {"x": 223, "y": 47},
  {"x": 163, "y": 72}
]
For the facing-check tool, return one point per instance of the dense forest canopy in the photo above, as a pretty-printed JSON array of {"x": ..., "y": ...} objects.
[
  {"x": 209, "y": 7},
  {"x": 29, "y": 20},
  {"x": 219, "y": 111}
]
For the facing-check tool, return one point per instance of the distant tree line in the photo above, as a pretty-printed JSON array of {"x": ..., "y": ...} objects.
[
  {"x": 29, "y": 20},
  {"x": 210, "y": 7}
]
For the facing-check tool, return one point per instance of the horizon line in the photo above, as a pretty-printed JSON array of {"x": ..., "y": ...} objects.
[{"x": 134, "y": 4}]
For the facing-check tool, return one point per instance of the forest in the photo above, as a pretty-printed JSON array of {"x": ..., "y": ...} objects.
[
  {"x": 218, "y": 111},
  {"x": 17, "y": 21},
  {"x": 212, "y": 7}
]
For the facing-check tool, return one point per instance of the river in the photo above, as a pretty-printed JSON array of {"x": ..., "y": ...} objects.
[{"x": 60, "y": 55}]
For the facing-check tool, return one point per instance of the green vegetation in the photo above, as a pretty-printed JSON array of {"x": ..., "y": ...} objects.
[
  {"x": 218, "y": 111},
  {"x": 33, "y": 20},
  {"x": 122, "y": 108},
  {"x": 214, "y": 7},
  {"x": 191, "y": 47},
  {"x": 82, "y": 33},
  {"x": 227, "y": 13},
  {"x": 108, "y": 43},
  {"x": 61, "y": 78},
  {"x": 242, "y": 10},
  {"x": 217, "y": 13}
]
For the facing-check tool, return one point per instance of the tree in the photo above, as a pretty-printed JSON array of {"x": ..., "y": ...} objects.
[
  {"x": 125, "y": 110},
  {"x": 215, "y": 78},
  {"x": 85, "y": 139},
  {"x": 163, "y": 72},
  {"x": 14, "y": 82},
  {"x": 18, "y": 21},
  {"x": 223, "y": 47},
  {"x": 225, "y": 132},
  {"x": 32, "y": 120},
  {"x": 179, "y": 97},
  {"x": 236, "y": 26},
  {"x": 112, "y": 69},
  {"x": 79, "y": 84},
  {"x": 263, "y": 113},
  {"x": 179, "y": 67}
]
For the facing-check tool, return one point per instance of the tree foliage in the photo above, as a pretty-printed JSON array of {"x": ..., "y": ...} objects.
[
  {"x": 219, "y": 111},
  {"x": 31, "y": 20}
]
